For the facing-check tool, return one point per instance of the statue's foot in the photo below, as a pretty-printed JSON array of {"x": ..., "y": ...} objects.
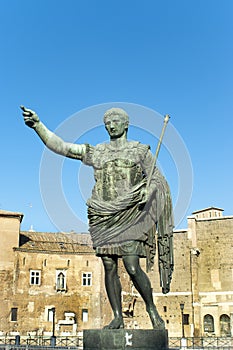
[
  {"x": 116, "y": 323},
  {"x": 156, "y": 320}
]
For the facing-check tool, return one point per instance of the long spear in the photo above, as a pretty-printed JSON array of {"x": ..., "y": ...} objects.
[{"x": 166, "y": 119}]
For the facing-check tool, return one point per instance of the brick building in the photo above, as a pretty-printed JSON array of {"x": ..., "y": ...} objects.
[{"x": 54, "y": 282}]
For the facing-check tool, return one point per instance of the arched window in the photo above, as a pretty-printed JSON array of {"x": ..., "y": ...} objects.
[
  {"x": 61, "y": 281},
  {"x": 208, "y": 324},
  {"x": 225, "y": 326}
]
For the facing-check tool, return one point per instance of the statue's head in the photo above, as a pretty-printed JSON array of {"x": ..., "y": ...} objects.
[
  {"x": 116, "y": 111},
  {"x": 116, "y": 122}
]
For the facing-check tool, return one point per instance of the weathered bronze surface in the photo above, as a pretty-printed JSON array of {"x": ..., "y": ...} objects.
[{"x": 124, "y": 211}]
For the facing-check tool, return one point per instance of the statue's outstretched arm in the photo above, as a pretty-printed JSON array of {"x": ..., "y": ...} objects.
[{"x": 52, "y": 141}]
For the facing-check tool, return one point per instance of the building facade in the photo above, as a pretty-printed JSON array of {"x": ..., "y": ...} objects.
[
  {"x": 52, "y": 283},
  {"x": 203, "y": 277}
]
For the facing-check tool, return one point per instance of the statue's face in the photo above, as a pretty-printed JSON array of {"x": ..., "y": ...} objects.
[{"x": 116, "y": 125}]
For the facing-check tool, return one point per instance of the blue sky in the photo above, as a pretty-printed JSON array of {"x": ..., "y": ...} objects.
[{"x": 61, "y": 57}]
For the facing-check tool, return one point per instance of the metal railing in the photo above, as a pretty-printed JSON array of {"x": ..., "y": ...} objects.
[
  {"x": 201, "y": 343},
  {"x": 32, "y": 342},
  {"x": 76, "y": 342}
]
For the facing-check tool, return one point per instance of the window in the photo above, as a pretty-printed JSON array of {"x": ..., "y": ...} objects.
[
  {"x": 164, "y": 309},
  {"x": 35, "y": 277},
  {"x": 61, "y": 280},
  {"x": 225, "y": 326},
  {"x": 208, "y": 324},
  {"x": 51, "y": 313},
  {"x": 84, "y": 315},
  {"x": 186, "y": 319},
  {"x": 87, "y": 279},
  {"x": 14, "y": 314}
]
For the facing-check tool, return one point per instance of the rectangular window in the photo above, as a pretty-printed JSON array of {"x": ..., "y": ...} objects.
[
  {"x": 14, "y": 314},
  {"x": 35, "y": 277},
  {"x": 87, "y": 279},
  {"x": 85, "y": 315},
  {"x": 51, "y": 314},
  {"x": 186, "y": 319}
]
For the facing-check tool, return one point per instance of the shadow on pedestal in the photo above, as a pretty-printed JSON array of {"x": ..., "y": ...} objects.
[{"x": 121, "y": 339}]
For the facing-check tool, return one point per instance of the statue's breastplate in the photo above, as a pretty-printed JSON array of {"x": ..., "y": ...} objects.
[{"x": 116, "y": 173}]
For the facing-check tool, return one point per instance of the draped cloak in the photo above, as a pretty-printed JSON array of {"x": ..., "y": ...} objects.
[{"x": 116, "y": 216}]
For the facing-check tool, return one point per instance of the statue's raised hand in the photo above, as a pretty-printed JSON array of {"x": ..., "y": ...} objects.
[{"x": 30, "y": 117}]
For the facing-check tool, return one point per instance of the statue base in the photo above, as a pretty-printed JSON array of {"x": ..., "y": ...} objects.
[{"x": 120, "y": 339}]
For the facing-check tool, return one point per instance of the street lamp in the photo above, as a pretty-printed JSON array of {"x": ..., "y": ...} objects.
[
  {"x": 53, "y": 321},
  {"x": 53, "y": 338},
  {"x": 182, "y": 318}
]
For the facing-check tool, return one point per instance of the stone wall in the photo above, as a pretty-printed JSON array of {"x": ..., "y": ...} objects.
[
  {"x": 215, "y": 270},
  {"x": 9, "y": 237},
  {"x": 35, "y": 301}
]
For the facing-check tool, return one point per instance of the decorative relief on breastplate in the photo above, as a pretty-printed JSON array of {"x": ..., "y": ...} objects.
[
  {"x": 118, "y": 176},
  {"x": 116, "y": 170}
]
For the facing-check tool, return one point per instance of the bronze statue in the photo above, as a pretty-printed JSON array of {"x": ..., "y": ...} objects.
[{"x": 124, "y": 212}]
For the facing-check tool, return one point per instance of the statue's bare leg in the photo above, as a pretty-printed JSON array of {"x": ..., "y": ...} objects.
[
  {"x": 113, "y": 288},
  {"x": 143, "y": 286}
]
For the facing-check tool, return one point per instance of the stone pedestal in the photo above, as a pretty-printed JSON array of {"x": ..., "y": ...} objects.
[{"x": 121, "y": 339}]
